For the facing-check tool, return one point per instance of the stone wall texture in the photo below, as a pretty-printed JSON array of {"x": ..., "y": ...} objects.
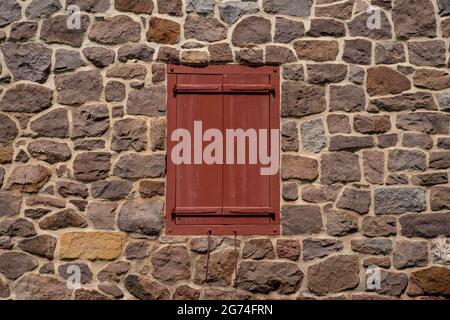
[{"x": 365, "y": 141}]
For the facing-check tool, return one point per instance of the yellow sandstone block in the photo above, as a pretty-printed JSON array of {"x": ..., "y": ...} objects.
[{"x": 91, "y": 245}]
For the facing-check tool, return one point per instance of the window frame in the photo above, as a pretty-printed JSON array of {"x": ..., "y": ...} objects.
[{"x": 243, "y": 228}]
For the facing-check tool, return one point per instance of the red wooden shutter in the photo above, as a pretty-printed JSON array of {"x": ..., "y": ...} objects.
[{"x": 222, "y": 198}]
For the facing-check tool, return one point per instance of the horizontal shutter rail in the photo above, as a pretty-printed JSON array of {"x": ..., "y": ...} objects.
[
  {"x": 196, "y": 211},
  {"x": 251, "y": 210},
  {"x": 263, "y": 88},
  {"x": 194, "y": 88}
]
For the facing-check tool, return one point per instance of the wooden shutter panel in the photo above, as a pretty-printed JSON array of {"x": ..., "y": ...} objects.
[{"x": 227, "y": 198}]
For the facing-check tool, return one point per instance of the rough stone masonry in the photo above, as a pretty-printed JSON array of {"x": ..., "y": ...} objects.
[{"x": 365, "y": 141}]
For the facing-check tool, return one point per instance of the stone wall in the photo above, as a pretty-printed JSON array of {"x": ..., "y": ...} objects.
[{"x": 366, "y": 148}]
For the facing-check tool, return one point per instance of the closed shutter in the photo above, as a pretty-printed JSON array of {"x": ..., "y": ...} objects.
[{"x": 229, "y": 197}]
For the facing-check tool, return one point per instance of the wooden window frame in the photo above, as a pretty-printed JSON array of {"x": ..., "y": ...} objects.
[{"x": 244, "y": 227}]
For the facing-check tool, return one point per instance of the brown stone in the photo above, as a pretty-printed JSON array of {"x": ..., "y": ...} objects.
[
  {"x": 266, "y": 277},
  {"x": 359, "y": 26},
  {"x": 430, "y": 179},
  {"x": 163, "y": 31},
  {"x": 49, "y": 151},
  {"x": 288, "y": 249},
  {"x": 64, "y": 219},
  {"x": 55, "y": 30},
  {"x": 432, "y": 281},
  {"x": 319, "y": 248},
  {"x": 408, "y": 24},
  {"x": 137, "y": 250},
  {"x": 293, "y": 72},
  {"x": 92, "y": 166},
  {"x": 335, "y": 274},
  {"x": 113, "y": 271},
  {"x": 440, "y": 198},
  {"x": 45, "y": 201},
  {"x": 358, "y": 51},
  {"x": 42, "y": 245},
  {"x": 23, "y": 31},
  {"x": 427, "y": 53},
  {"x": 389, "y": 52},
  {"x": 91, "y": 245},
  {"x": 78, "y": 88},
  {"x": 372, "y": 124},
  {"x": 439, "y": 160},
  {"x": 338, "y": 123},
  {"x": 102, "y": 215},
  {"x": 290, "y": 191},
  {"x": 149, "y": 101},
  {"x": 404, "y": 102},
  {"x": 136, "y": 6},
  {"x": 250, "y": 56},
  {"x": 168, "y": 55},
  {"x": 355, "y": 200},
  {"x": 14, "y": 264},
  {"x": 339, "y": 10},
  {"x": 194, "y": 57},
  {"x": 66, "y": 271},
  {"x": 320, "y": 193},
  {"x": 258, "y": 249},
  {"x": 408, "y": 254},
  {"x": 374, "y": 246},
  {"x": 426, "y": 122},
  {"x": 431, "y": 79},
  {"x": 53, "y": 124},
  {"x": 30, "y": 61},
  {"x": 326, "y": 73},
  {"x": 89, "y": 295},
  {"x": 145, "y": 289},
  {"x": 115, "y": 30},
  {"x": 384, "y": 81},
  {"x": 299, "y": 100},
  {"x": 373, "y": 166},
  {"x": 219, "y": 294},
  {"x": 17, "y": 228},
  {"x": 111, "y": 190},
  {"x": 350, "y": 143},
  {"x": 129, "y": 133},
  {"x": 10, "y": 12},
  {"x": 185, "y": 292},
  {"x": 317, "y": 50},
  {"x": 340, "y": 167},
  {"x": 301, "y": 219},
  {"x": 383, "y": 226},
  {"x": 326, "y": 28},
  {"x": 220, "y": 53},
  {"x": 136, "y": 166},
  {"x": 289, "y": 136},
  {"x": 151, "y": 188},
  {"x": 112, "y": 290},
  {"x": 212, "y": 30},
  {"x": 382, "y": 262},
  {"x": 28, "y": 178},
  {"x": 220, "y": 269},
  {"x": 287, "y": 30},
  {"x": 399, "y": 160},
  {"x": 171, "y": 7},
  {"x": 135, "y": 52},
  {"x": 296, "y": 167},
  {"x": 37, "y": 287},
  {"x": 6, "y": 155},
  {"x": 27, "y": 98},
  {"x": 252, "y": 30},
  {"x": 277, "y": 55},
  {"x": 127, "y": 71},
  {"x": 171, "y": 264},
  {"x": 391, "y": 283},
  {"x": 421, "y": 140},
  {"x": 341, "y": 223},
  {"x": 115, "y": 91}
]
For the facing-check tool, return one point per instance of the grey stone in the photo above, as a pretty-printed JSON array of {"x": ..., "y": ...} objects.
[
  {"x": 200, "y": 6},
  {"x": 313, "y": 135},
  {"x": 391, "y": 283},
  {"x": 111, "y": 190},
  {"x": 399, "y": 160},
  {"x": 102, "y": 215},
  {"x": 231, "y": 11},
  {"x": 399, "y": 200},
  {"x": 301, "y": 220},
  {"x": 297, "y": 8},
  {"x": 443, "y": 99},
  {"x": 428, "y": 225},
  {"x": 142, "y": 218},
  {"x": 136, "y": 166},
  {"x": 10, "y": 11},
  {"x": 42, "y": 8}
]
